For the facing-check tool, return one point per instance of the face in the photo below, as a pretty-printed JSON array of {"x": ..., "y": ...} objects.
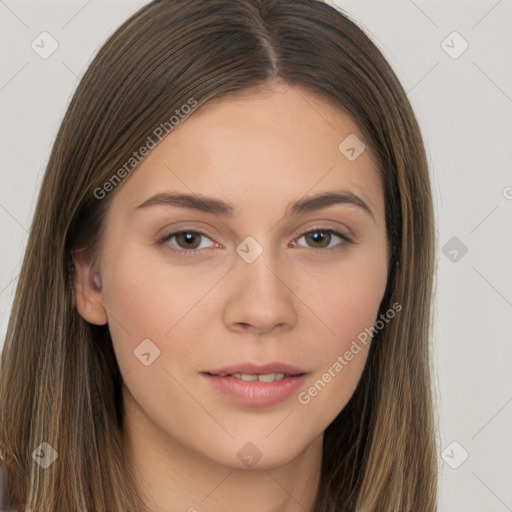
[{"x": 247, "y": 284}]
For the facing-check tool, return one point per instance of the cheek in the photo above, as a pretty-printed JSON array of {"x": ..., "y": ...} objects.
[
  {"x": 148, "y": 298},
  {"x": 349, "y": 310},
  {"x": 148, "y": 295},
  {"x": 347, "y": 302},
  {"x": 347, "y": 297}
]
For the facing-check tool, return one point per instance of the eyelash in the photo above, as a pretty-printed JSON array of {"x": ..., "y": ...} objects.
[{"x": 195, "y": 252}]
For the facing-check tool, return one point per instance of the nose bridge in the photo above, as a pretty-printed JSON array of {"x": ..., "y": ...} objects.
[
  {"x": 259, "y": 295},
  {"x": 259, "y": 264}
]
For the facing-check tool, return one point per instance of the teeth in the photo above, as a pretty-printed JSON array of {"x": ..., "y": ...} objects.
[
  {"x": 269, "y": 377},
  {"x": 245, "y": 377}
]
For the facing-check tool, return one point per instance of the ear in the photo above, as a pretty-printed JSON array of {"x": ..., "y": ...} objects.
[{"x": 87, "y": 289}]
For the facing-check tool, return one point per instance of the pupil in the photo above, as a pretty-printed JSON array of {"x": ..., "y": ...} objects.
[
  {"x": 317, "y": 235},
  {"x": 188, "y": 238}
]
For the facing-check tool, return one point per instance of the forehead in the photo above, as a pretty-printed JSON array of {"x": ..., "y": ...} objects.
[{"x": 269, "y": 144}]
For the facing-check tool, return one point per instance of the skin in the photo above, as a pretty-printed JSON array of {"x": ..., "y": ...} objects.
[{"x": 293, "y": 304}]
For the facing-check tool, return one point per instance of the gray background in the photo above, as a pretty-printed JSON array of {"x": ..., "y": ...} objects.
[{"x": 464, "y": 106}]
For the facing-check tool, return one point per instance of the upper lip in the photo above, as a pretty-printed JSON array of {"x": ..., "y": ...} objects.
[{"x": 257, "y": 369}]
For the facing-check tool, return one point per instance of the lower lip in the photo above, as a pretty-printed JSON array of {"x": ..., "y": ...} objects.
[{"x": 256, "y": 393}]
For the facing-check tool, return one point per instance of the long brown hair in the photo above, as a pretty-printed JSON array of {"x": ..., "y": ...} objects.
[{"x": 60, "y": 382}]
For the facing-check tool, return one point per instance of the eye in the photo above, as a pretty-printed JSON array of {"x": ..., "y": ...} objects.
[
  {"x": 187, "y": 242},
  {"x": 321, "y": 239}
]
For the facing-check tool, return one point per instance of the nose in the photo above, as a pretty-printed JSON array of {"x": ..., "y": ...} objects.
[{"x": 260, "y": 296}]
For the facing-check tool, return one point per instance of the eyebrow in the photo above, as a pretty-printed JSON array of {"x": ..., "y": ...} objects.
[{"x": 218, "y": 207}]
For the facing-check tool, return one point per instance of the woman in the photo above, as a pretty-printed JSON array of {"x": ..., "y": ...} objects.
[{"x": 282, "y": 362}]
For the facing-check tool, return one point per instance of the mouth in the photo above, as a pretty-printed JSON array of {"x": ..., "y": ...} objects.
[
  {"x": 248, "y": 377},
  {"x": 256, "y": 385},
  {"x": 256, "y": 376},
  {"x": 251, "y": 369}
]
